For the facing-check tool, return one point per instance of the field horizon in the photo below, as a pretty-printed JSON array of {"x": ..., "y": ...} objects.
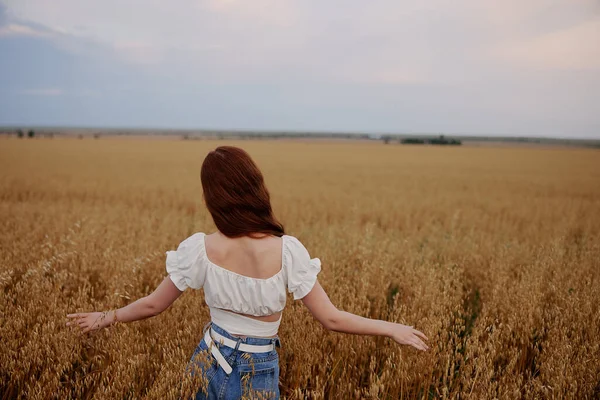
[{"x": 250, "y": 134}]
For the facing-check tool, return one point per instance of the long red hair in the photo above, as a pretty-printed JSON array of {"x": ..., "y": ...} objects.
[{"x": 235, "y": 194}]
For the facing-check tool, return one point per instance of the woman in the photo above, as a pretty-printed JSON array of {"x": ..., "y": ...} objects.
[{"x": 245, "y": 269}]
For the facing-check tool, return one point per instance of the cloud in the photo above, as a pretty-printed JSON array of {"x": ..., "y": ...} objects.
[
  {"x": 21, "y": 30},
  {"x": 9, "y": 26}
]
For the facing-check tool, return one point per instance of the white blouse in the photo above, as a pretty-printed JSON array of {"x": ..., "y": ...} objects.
[{"x": 189, "y": 266}]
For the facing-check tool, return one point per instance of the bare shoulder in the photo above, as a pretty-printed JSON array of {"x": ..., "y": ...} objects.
[
  {"x": 219, "y": 243},
  {"x": 267, "y": 244}
]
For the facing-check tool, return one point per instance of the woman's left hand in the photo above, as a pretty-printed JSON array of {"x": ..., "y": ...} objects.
[{"x": 90, "y": 321}]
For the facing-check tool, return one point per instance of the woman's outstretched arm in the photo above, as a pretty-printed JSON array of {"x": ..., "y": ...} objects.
[
  {"x": 153, "y": 304},
  {"x": 333, "y": 319}
]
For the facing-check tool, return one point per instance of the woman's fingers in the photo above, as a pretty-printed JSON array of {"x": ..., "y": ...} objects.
[
  {"x": 80, "y": 320},
  {"x": 420, "y": 334},
  {"x": 417, "y": 345},
  {"x": 420, "y": 343},
  {"x": 76, "y": 318},
  {"x": 76, "y": 322}
]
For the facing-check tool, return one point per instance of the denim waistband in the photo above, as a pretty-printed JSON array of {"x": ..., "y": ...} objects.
[{"x": 248, "y": 339}]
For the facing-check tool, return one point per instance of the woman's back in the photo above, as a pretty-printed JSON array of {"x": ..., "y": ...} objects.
[
  {"x": 245, "y": 294},
  {"x": 259, "y": 258},
  {"x": 252, "y": 257}
]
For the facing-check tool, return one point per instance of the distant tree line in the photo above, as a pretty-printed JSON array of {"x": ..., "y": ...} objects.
[
  {"x": 30, "y": 133},
  {"x": 440, "y": 140},
  {"x": 444, "y": 141},
  {"x": 257, "y": 135}
]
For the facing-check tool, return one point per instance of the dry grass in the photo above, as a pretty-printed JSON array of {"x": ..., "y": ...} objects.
[{"x": 492, "y": 252}]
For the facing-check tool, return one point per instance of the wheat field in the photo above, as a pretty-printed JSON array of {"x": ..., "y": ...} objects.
[{"x": 494, "y": 253}]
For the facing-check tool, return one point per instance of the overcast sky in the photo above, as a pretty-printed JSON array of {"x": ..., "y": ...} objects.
[{"x": 509, "y": 67}]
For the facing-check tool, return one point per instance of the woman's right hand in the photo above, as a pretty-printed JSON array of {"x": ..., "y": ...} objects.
[
  {"x": 92, "y": 321},
  {"x": 404, "y": 334}
]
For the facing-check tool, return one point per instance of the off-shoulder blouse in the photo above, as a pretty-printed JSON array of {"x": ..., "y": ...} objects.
[{"x": 190, "y": 267}]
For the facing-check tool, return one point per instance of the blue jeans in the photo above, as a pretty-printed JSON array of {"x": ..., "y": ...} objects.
[{"x": 254, "y": 375}]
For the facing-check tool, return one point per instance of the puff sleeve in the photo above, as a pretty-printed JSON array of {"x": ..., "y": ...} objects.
[
  {"x": 300, "y": 269},
  {"x": 185, "y": 266}
]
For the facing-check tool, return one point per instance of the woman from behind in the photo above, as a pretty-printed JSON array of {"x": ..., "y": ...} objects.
[{"x": 245, "y": 268}]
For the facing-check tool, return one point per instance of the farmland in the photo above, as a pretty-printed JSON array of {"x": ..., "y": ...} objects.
[{"x": 492, "y": 252}]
